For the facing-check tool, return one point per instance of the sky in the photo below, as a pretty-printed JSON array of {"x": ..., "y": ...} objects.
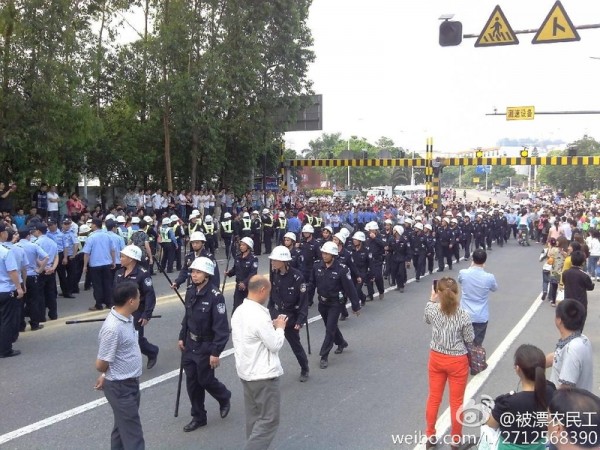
[{"x": 382, "y": 72}]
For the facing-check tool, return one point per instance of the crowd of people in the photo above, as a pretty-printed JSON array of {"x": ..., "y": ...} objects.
[{"x": 324, "y": 250}]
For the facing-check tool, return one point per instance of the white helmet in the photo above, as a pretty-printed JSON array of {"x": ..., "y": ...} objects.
[
  {"x": 266, "y": 211},
  {"x": 196, "y": 211},
  {"x": 290, "y": 235},
  {"x": 341, "y": 237},
  {"x": 445, "y": 219},
  {"x": 174, "y": 218},
  {"x": 280, "y": 253},
  {"x": 408, "y": 221},
  {"x": 419, "y": 219},
  {"x": 458, "y": 215},
  {"x": 208, "y": 219},
  {"x": 197, "y": 236},
  {"x": 166, "y": 221},
  {"x": 308, "y": 229},
  {"x": 372, "y": 226},
  {"x": 359, "y": 236},
  {"x": 282, "y": 214},
  {"x": 255, "y": 212},
  {"x": 399, "y": 229},
  {"x": 438, "y": 218},
  {"x": 453, "y": 221},
  {"x": 428, "y": 227},
  {"x": 227, "y": 216},
  {"x": 203, "y": 264},
  {"x": 148, "y": 220},
  {"x": 249, "y": 242},
  {"x": 328, "y": 228},
  {"x": 388, "y": 222},
  {"x": 194, "y": 216},
  {"x": 109, "y": 217},
  {"x": 133, "y": 251},
  {"x": 121, "y": 219},
  {"x": 135, "y": 219},
  {"x": 245, "y": 215},
  {"x": 448, "y": 213},
  {"x": 84, "y": 229},
  {"x": 330, "y": 247},
  {"x": 345, "y": 232},
  {"x": 419, "y": 226}
]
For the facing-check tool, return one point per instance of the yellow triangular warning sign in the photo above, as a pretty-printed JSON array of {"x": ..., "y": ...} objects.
[
  {"x": 557, "y": 27},
  {"x": 497, "y": 31}
]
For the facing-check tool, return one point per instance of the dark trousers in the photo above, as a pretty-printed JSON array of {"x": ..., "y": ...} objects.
[
  {"x": 430, "y": 260},
  {"x": 359, "y": 290},
  {"x": 257, "y": 244},
  {"x": 200, "y": 378},
  {"x": 419, "y": 262},
  {"x": 10, "y": 312},
  {"x": 124, "y": 399},
  {"x": 62, "y": 275},
  {"x": 466, "y": 244},
  {"x": 445, "y": 255},
  {"x": 238, "y": 297},
  {"x": 310, "y": 288},
  {"x": 293, "y": 338},
  {"x": 48, "y": 289},
  {"x": 177, "y": 256},
  {"x": 33, "y": 304},
  {"x": 168, "y": 256},
  {"x": 399, "y": 273},
  {"x": 479, "y": 329},
  {"x": 488, "y": 239},
  {"x": 330, "y": 313},
  {"x": 377, "y": 276},
  {"x": 211, "y": 244},
  {"x": 77, "y": 271},
  {"x": 456, "y": 251},
  {"x": 147, "y": 349},
  {"x": 268, "y": 238},
  {"x": 227, "y": 244},
  {"x": 102, "y": 283},
  {"x": 480, "y": 241}
]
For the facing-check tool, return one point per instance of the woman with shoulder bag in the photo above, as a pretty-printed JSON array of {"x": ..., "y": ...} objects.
[
  {"x": 556, "y": 259},
  {"x": 451, "y": 331}
]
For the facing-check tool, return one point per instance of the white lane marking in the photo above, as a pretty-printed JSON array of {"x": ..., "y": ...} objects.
[{"x": 443, "y": 423}]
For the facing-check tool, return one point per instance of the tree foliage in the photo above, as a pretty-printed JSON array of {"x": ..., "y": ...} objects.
[{"x": 188, "y": 102}]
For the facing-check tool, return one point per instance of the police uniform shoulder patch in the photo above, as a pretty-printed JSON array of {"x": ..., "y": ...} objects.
[
  {"x": 303, "y": 287},
  {"x": 255, "y": 264},
  {"x": 348, "y": 275},
  {"x": 221, "y": 308},
  {"x": 148, "y": 281}
]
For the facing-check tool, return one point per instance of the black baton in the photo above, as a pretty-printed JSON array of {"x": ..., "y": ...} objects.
[{"x": 71, "y": 322}]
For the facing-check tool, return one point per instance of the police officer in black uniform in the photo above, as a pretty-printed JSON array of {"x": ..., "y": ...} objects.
[
  {"x": 131, "y": 270},
  {"x": 457, "y": 238},
  {"x": 430, "y": 243},
  {"x": 268, "y": 229},
  {"x": 197, "y": 241},
  {"x": 203, "y": 336},
  {"x": 289, "y": 242},
  {"x": 467, "y": 230},
  {"x": 310, "y": 254},
  {"x": 210, "y": 232},
  {"x": 288, "y": 296},
  {"x": 334, "y": 286},
  {"x": 256, "y": 233},
  {"x": 377, "y": 247},
  {"x": 479, "y": 232},
  {"x": 446, "y": 241},
  {"x": 227, "y": 231},
  {"x": 244, "y": 267},
  {"x": 419, "y": 249},
  {"x": 362, "y": 262},
  {"x": 345, "y": 257},
  {"x": 401, "y": 255}
]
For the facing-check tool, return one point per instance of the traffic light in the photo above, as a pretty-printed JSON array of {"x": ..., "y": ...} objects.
[
  {"x": 524, "y": 153},
  {"x": 365, "y": 154},
  {"x": 450, "y": 33},
  {"x": 479, "y": 154},
  {"x": 401, "y": 154},
  {"x": 330, "y": 155},
  {"x": 572, "y": 151}
]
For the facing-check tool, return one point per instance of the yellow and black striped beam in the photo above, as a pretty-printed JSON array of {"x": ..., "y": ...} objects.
[
  {"x": 372, "y": 162},
  {"x": 422, "y": 162}
]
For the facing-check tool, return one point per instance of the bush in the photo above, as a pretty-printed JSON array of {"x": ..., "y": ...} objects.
[{"x": 321, "y": 193}]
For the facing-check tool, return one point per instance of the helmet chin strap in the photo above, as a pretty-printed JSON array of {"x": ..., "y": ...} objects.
[{"x": 203, "y": 282}]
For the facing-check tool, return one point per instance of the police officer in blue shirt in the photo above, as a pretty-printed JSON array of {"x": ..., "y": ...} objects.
[
  {"x": 244, "y": 267},
  {"x": 36, "y": 259},
  {"x": 294, "y": 225},
  {"x": 11, "y": 294},
  {"x": 70, "y": 247},
  {"x": 99, "y": 257},
  {"x": 288, "y": 296},
  {"x": 197, "y": 240},
  {"x": 117, "y": 240},
  {"x": 131, "y": 269},
  {"x": 203, "y": 336},
  {"x": 47, "y": 279},
  {"x": 57, "y": 236},
  {"x": 334, "y": 286}
]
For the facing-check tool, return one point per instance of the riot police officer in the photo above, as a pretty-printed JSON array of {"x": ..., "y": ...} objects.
[
  {"x": 362, "y": 262},
  {"x": 479, "y": 232},
  {"x": 197, "y": 241},
  {"x": 401, "y": 254},
  {"x": 419, "y": 249},
  {"x": 467, "y": 229},
  {"x": 227, "y": 233},
  {"x": 168, "y": 244},
  {"x": 256, "y": 233},
  {"x": 131, "y": 270},
  {"x": 288, "y": 296},
  {"x": 210, "y": 232},
  {"x": 268, "y": 229},
  {"x": 446, "y": 241},
  {"x": 430, "y": 244},
  {"x": 457, "y": 232},
  {"x": 309, "y": 247},
  {"x": 377, "y": 247},
  {"x": 244, "y": 267},
  {"x": 345, "y": 257},
  {"x": 334, "y": 286},
  {"x": 289, "y": 242},
  {"x": 203, "y": 336}
]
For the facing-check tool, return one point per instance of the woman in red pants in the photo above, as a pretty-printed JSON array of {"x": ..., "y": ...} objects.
[{"x": 451, "y": 329}]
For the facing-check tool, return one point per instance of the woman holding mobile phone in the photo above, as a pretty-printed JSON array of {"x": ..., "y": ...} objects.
[{"x": 451, "y": 330}]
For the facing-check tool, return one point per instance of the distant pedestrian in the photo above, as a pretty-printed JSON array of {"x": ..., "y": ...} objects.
[
  {"x": 576, "y": 281},
  {"x": 476, "y": 287},
  {"x": 257, "y": 340},
  {"x": 120, "y": 361}
]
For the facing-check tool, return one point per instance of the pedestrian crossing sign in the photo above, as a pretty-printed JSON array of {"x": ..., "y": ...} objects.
[{"x": 497, "y": 31}]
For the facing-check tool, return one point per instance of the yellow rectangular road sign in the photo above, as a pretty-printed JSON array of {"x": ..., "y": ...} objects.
[
  {"x": 475, "y": 179},
  {"x": 520, "y": 113}
]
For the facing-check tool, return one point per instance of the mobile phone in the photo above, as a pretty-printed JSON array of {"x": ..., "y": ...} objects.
[{"x": 435, "y": 285}]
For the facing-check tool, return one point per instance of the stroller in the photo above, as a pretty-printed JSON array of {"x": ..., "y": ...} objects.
[{"x": 523, "y": 237}]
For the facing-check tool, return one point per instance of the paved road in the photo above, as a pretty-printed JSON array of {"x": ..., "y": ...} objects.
[{"x": 377, "y": 388}]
